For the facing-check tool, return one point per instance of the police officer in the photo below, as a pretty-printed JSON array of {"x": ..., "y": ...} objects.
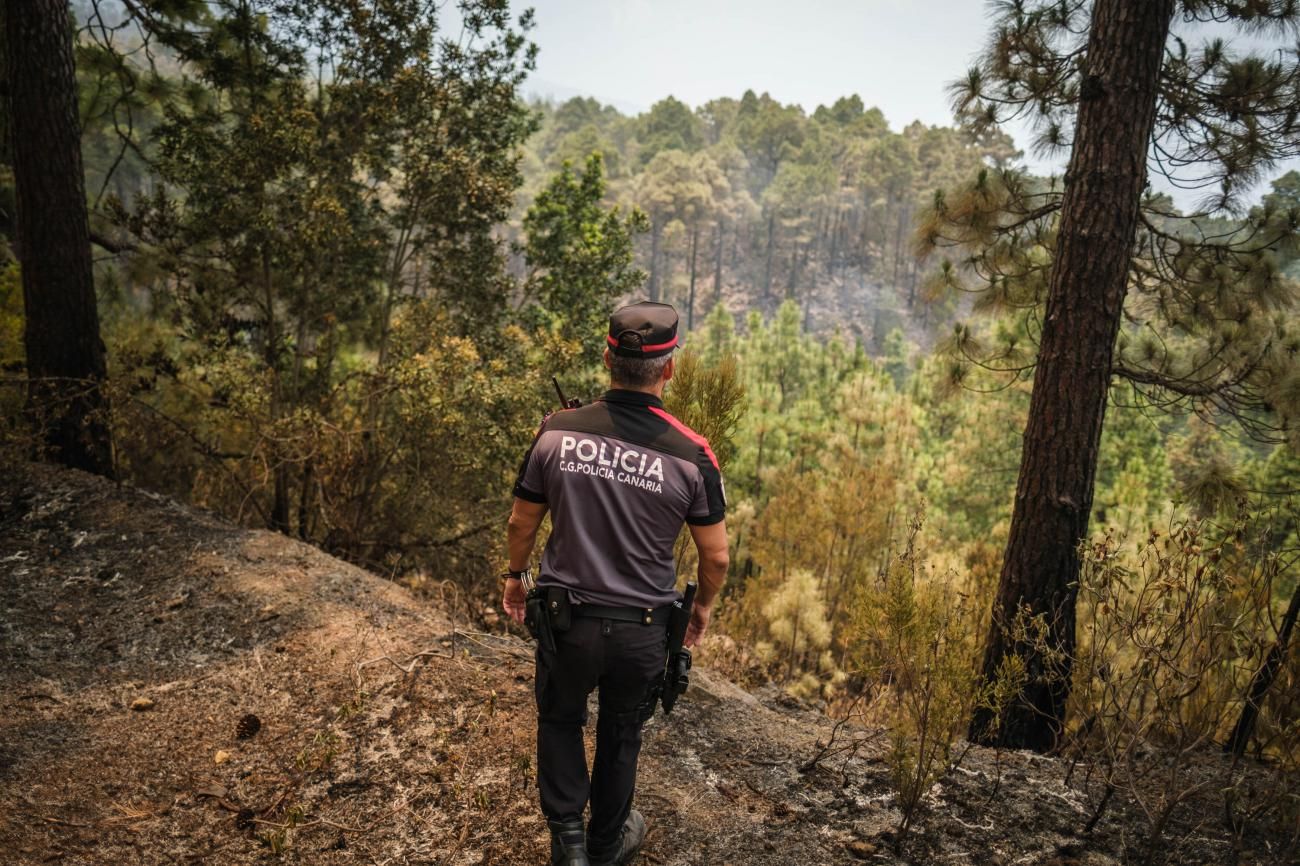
[{"x": 619, "y": 477}]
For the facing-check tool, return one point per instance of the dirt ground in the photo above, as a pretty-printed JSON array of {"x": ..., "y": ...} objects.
[{"x": 137, "y": 633}]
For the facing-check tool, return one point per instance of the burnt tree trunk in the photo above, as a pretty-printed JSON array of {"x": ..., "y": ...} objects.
[
  {"x": 690, "y": 302},
  {"x": 767, "y": 266},
  {"x": 717, "y": 266},
  {"x": 833, "y": 255},
  {"x": 1263, "y": 680},
  {"x": 65, "y": 355},
  {"x": 655, "y": 228},
  {"x": 900, "y": 232},
  {"x": 1099, "y": 215}
]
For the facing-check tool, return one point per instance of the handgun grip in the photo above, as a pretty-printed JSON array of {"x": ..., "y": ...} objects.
[{"x": 681, "y": 618}]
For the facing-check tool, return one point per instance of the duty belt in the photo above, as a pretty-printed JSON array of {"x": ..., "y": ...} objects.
[{"x": 642, "y": 615}]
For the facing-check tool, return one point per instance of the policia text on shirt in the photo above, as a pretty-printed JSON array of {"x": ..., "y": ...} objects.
[{"x": 619, "y": 477}]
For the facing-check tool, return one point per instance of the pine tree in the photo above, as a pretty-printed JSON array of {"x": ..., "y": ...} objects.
[
  {"x": 65, "y": 355},
  {"x": 1109, "y": 280},
  {"x": 578, "y": 253}
]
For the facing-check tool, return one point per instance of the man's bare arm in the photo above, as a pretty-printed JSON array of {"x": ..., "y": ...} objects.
[
  {"x": 711, "y": 545},
  {"x": 521, "y": 532},
  {"x": 521, "y": 536}
]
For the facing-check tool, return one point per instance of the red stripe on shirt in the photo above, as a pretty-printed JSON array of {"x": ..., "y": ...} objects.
[{"x": 688, "y": 433}]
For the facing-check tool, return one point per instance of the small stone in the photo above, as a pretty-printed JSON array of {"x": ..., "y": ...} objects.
[
  {"x": 141, "y": 704},
  {"x": 221, "y": 757}
]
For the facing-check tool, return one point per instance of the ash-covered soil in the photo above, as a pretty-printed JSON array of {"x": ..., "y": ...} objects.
[{"x": 137, "y": 633}]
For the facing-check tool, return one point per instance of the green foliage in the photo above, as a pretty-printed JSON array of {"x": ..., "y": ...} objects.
[
  {"x": 757, "y": 201},
  {"x": 313, "y": 323},
  {"x": 710, "y": 399},
  {"x": 668, "y": 125},
  {"x": 580, "y": 253},
  {"x": 1209, "y": 324},
  {"x": 1205, "y": 472},
  {"x": 13, "y": 428},
  {"x": 11, "y": 316}
]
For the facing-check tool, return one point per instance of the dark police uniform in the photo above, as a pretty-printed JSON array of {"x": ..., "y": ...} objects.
[{"x": 620, "y": 477}]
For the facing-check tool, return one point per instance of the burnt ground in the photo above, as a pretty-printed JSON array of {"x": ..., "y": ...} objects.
[{"x": 137, "y": 633}]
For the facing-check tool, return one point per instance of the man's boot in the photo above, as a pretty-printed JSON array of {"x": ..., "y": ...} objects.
[
  {"x": 623, "y": 847},
  {"x": 568, "y": 844}
]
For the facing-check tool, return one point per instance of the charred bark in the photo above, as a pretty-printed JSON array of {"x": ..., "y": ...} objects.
[
  {"x": 1263, "y": 680},
  {"x": 655, "y": 228},
  {"x": 771, "y": 245},
  {"x": 690, "y": 302},
  {"x": 717, "y": 266}
]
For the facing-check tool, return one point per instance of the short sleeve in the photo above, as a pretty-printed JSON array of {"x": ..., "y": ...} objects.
[
  {"x": 709, "y": 502},
  {"x": 530, "y": 484}
]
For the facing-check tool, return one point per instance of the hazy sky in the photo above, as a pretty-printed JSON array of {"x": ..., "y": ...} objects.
[{"x": 898, "y": 55}]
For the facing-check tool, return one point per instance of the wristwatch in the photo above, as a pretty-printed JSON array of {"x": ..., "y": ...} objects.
[{"x": 525, "y": 576}]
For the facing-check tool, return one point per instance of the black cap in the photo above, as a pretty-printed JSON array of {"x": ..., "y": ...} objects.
[{"x": 643, "y": 330}]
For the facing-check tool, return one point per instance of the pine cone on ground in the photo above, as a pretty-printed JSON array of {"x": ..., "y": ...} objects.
[{"x": 248, "y": 725}]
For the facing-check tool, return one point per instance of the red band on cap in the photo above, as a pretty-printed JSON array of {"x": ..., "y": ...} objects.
[{"x": 657, "y": 347}]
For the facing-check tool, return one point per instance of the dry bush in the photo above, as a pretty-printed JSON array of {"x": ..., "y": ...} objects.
[
  {"x": 1170, "y": 636},
  {"x": 797, "y": 630},
  {"x": 403, "y": 466},
  {"x": 916, "y": 651}
]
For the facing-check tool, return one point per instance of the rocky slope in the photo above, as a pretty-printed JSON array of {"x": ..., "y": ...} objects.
[{"x": 144, "y": 641}]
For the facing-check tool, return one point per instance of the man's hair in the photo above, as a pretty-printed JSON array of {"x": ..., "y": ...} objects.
[{"x": 637, "y": 372}]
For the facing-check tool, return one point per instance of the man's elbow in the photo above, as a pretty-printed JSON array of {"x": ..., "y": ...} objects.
[
  {"x": 521, "y": 524},
  {"x": 716, "y": 562}
]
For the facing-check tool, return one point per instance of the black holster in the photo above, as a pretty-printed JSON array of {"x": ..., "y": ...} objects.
[
  {"x": 547, "y": 613},
  {"x": 677, "y": 673}
]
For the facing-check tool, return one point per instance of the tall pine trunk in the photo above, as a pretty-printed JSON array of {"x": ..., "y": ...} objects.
[
  {"x": 792, "y": 282},
  {"x": 717, "y": 266},
  {"x": 1099, "y": 215},
  {"x": 655, "y": 229},
  {"x": 865, "y": 235},
  {"x": 690, "y": 302},
  {"x": 833, "y": 254},
  {"x": 771, "y": 245},
  {"x": 65, "y": 355},
  {"x": 904, "y": 217}
]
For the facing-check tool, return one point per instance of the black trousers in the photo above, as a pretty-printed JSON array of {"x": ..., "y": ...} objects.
[{"x": 625, "y": 661}]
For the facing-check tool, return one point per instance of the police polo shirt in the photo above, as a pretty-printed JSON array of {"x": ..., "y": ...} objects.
[{"x": 620, "y": 476}]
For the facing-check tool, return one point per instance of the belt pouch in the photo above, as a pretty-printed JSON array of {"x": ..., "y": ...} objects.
[{"x": 557, "y": 606}]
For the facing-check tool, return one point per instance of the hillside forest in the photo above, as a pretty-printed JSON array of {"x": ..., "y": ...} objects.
[{"x": 1010, "y": 459}]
